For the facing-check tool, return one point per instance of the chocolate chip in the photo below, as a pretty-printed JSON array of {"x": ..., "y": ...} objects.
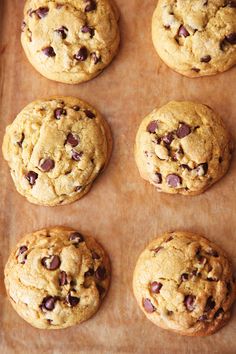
[
  {"x": 205, "y": 59},
  {"x": 196, "y": 70},
  {"x": 72, "y": 140},
  {"x": 183, "y": 130},
  {"x": 157, "y": 178},
  {"x": 231, "y": 38},
  {"x": 148, "y": 306},
  {"x": 22, "y": 139},
  {"x": 23, "y": 25},
  {"x": 168, "y": 138},
  {"x": 183, "y": 32},
  {"x": 220, "y": 159},
  {"x": 51, "y": 262},
  {"x": 76, "y": 155},
  {"x": 76, "y": 238},
  {"x": 95, "y": 58},
  {"x": 47, "y": 164},
  {"x": 210, "y": 304},
  {"x": 218, "y": 312},
  {"x": 184, "y": 277},
  {"x": 62, "y": 31},
  {"x": 101, "y": 273},
  {"x": 213, "y": 253},
  {"x": 156, "y": 250},
  {"x": 95, "y": 255},
  {"x": 229, "y": 288},
  {"x": 189, "y": 301},
  {"x": 186, "y": 167},
  {"x": 202, "y": 169},
  {"x": 62, "y": 278},
  {"x": 49, "y": 52},
  {"x": 90, "y": 5},
  {"x": 82, "y": 54},
  {"x": 59, "y": 112},
  {"x": 203, "y": 318},
  {"x": 152, "y": 126},
  {"x": 101, "y": 290},
  {"x": 88, "y": 29},
  {"x": 42, "y": 12},
  {"x": 78, "y": 188},
  {"x": 48, "y": 303},
  {"x": 173, "y": 180},
  {"x": 89, "y": 272},
  {"x": 155, "y": 287},
  {"x": 23, "y": 249},
  {"x": 231, "y": 3},
  {"x": 169, "y": 239},
  {"x": 223, "y": 44},
  {"x": 72, "y": 300},
  {"x": 89, "y": 114},
  {"x": 76, "y": 108},
  {"x": 31, "y": 177}
]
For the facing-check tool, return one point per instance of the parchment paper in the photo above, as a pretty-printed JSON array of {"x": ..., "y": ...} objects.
[{"x": 122, "y": 211}]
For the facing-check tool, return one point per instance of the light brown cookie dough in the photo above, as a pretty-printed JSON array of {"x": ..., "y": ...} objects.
[
  {"x": 184, "y": 283},
  {"x": 196, "y": 37},
  {"x": 70, "y": 41},
  {"x": 183, "y": 147},
  {"x": 56, "y": 278},
  {"x": 55, "y": 149}
]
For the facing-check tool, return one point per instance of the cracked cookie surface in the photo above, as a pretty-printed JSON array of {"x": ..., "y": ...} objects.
[
  {"x": 70, "y": 41},
  {"x": 196, "y": 37},
  {"x": 55, "y": 149},
  {"x": 57, "y": 277},
  {"x": 184, "y": 283},
  {"x": 183, "y": 147}
]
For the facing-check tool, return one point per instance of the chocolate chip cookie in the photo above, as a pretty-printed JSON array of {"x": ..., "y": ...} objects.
[
  {"x": 184, "y": 283},
  {"x": 183, "y": 147},
  {"x": 56, "y": 278},
  {"x": 55, "y": 149},
  {"x": 70, "y": 41},
  {"x": 196, "y": 37}
]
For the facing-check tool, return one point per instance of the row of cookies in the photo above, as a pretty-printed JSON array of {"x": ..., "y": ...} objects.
[{"x": 56, "y": 278}]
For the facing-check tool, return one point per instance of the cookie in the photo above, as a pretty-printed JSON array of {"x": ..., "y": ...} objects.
[
  {"x": 70, "y": 41},
  {"x": 57, "y": 277},
  {"x": 184, "y": 283},
  {"x": 183, "y": 147},
  {"x": 196, "y": 37},
  {"x": 55, "y": 149}
]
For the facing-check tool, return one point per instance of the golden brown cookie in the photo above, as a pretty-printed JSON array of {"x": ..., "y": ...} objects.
[
  {"x": 183, "y": 147},
  {"x": 57, "y": 277},
  {"x": 70, "y": 41},
  {"x": 184, "y": 283},
  {"x": 196, "y": 37},
  {"x": 55, "y": 149}
]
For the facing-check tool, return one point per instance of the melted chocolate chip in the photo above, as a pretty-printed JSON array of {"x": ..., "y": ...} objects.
[
  {"x": 156, "y": 250},
  {"x": 72, "y": 140},
  {"x": 184, "y": 277},
  {"x": 189, "y": 301},
  {"x": 231, "y": 3},
  {"x": 49, "y": 52},
  {"x": 101, "y": 273},
  {"x": 59, "y": 112},
  {"x": 62, "y": 278},
  {"x": 95, "y": 58},
  {"x": 156, "y": 287},
  {"x": 76, "y": 238},
  {"x": 148, "y": 306},
  {"x": 82, "y": 54},
  {"x": 152, "y": 126},
  {"x": 231, "y": 38},
  {"x": 48, "y": 303},
  {"x": 72, "y": 300},
  {"x": 51, "y": 262},
  {"x": 76, "y": 155},
  {"x": 88, "y": 29},
  {"x": 218, "y": 312},
  {"x": 22, "y": 139},
  {"x": 169, "y": 239},
  {"x": 173, "y": 180},
  {"x": 31, "y": 177},
  {"x": 183, "y": 130},
  {"x": 186, "y": 167},
  {"x": 205, "y": 59},
  {"x": 89, "y": 114},
  {"x": 183, "y": 32},
  {"x": 168, "y": 138},
  {"x": 157, "y": 178},
  {"x": 62, "y": 31},
  {"x": 210, "y": 304},
  {"x": 213, "y": 253},
  {"x": 90, "y": 6},
  {"x": 42, "y": 12},
  {"x": 47, "y": 164},
  {"x": 89, "y": 272}
]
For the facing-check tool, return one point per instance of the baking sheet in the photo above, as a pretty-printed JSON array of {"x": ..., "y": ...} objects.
[{"x": 122, "y": 211}]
